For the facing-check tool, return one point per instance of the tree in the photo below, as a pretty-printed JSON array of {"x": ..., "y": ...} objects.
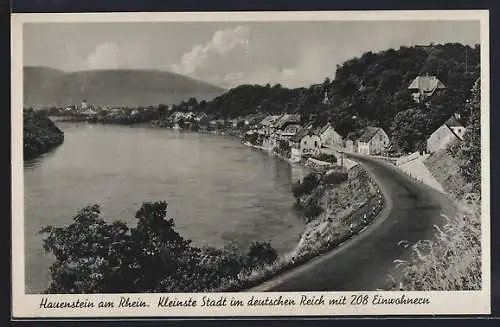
[
  {"x": 162, "y": 110},
  {"x": 91, "y": 255},
  {"x": 159, "y": 250},
  {"x": 409, "y": 130},
  {"x": 469, "y": 152},
  {"x": 261, "y": 253},
  {"x": 95, "y": 257}
]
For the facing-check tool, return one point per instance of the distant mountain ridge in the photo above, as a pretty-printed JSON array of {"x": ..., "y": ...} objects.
[{"x": 44, "y": 86}]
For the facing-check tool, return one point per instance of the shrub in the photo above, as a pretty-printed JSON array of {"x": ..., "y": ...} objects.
[
  {"x": 335, "y": 177},
  {"x": 261, "y": 253},
  {"x": 310, "y": 182},
  {"x": 93, "y": 256},
  {"x": 312, "y": 211},
  {"x": 326, "y": 157}
]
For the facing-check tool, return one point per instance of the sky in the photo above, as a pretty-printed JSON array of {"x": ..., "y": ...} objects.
[{"x": 227, "y": 54}]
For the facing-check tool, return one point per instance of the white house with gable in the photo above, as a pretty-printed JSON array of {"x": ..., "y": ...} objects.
[
  {"x": 442, "y": 137},
  {"x": 373, "y": 141},
  {"x": 329, "y": 136}
]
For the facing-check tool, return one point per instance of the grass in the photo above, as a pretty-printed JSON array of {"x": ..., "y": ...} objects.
[
  {"x": 452, "y": 260},
  {"x": 445, "y": 170}
]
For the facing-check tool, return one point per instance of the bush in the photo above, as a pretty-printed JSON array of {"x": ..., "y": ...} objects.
[
  {"x": 335, "y": 177},
  {"x": 93, "y": 256},
  {"x": 309, "y": 183},
  {"x": 261, "y": 253},
  {"x": 326, "y": 157},
  {"x": 312, "y": 211},
  {"x": 253, "y": 138}
]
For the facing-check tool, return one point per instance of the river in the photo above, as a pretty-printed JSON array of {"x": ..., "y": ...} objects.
[{"x": 217, "y": 189}]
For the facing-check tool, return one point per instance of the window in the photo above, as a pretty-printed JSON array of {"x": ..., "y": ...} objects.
[{"x": 315, "y": 144}]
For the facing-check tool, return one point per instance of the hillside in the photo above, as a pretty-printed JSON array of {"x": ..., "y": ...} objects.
[
  {"x": 369, "y": 90},
  {"x": 45, "y": 86},
  {"x": 374, "y": 87}
]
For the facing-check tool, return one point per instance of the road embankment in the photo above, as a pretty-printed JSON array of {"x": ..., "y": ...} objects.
[
  {"x": 366, "y": 262},
  {"x": 347, "y": 209}
]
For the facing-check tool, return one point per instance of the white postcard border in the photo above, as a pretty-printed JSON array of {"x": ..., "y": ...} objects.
[{"x": 450, "y": 303}]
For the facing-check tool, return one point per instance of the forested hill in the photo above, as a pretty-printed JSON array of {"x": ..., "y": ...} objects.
[
  {"x": 374, "y": 86},
  {"x": 372, "y": 89}
]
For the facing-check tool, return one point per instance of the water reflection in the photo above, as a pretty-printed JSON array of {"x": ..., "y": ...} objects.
[{"x": 217, "y": 189}]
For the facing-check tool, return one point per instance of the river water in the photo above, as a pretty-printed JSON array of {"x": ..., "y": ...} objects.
[{"x": 217, "y": 189}]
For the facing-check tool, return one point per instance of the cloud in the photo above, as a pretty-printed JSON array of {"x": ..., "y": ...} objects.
[
  {"x": 206, "y": 58},
  {"x": 111, "y": 55},
  {"x": 239, "y": 56},
  {"x": 69, "y": 59},
  {"x": 313, "y": 64}
]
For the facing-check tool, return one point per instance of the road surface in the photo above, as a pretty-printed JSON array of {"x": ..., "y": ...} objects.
[{"x": 365, "y": 262}]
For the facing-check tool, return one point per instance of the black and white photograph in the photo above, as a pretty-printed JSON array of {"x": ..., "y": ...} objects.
[{"x": 241, "y": 156}]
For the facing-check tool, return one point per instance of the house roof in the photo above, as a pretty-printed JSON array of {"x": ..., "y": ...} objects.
[
  {"x": 287, "y": 118},
  {"x": 300, "y": 134},
  {"x": 324, "y": 128},
  {"x": 368, "y": 133},
  {"x": 426, "y": 84},
  {"x": 453, "y": 132},
  {"x": 269, "y": 120},
  {"x": 453, "y": 122},
  {"x": 308, "y": 126}
]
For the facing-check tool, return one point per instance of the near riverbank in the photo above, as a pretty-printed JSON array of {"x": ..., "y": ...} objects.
[
  {"x": 336, "y": 205},
  {"x": 40, "y": 134}
]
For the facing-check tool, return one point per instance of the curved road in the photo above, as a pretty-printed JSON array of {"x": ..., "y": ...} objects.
[{"x": 365, "y": 262}]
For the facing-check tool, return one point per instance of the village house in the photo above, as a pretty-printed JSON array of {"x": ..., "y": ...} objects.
[
  {"x": 200, "y": 117},
  {"x": 329, "y": 137},
  {"x": 115, "y": 113},
  {"x": 284, "y": 128},
  {"x": 253, "y": 119},
  {"x": 84, "y": 105},
  {"x": 373, "y": 140},
  {"x": 267, "y": 124},
  {"x": 267, "y": 127},
  {"x": 203, "y": 123},
  {"x": 232, "y": 123},
  {"x": 309, "y": 126},
  {"x": 286, "y": 120},
  {"x": 176, "y": 116},
  {"x": 451, "y": 130},
  {"x": 305, "y": 142},
  {"x": 350, "y": 145},
  {"x": 423, "y": 87},
  {"x": 290, "y": 130}
]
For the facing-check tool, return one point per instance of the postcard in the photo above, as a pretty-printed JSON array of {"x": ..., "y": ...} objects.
[{"x": 237, "y": 164}]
